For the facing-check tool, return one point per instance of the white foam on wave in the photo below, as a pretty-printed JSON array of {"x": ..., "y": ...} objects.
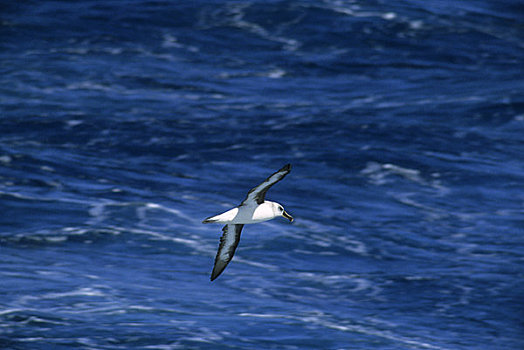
[
  {"x": 416, "y": 24},
  {"x": 93, "y": 292},
  {"x": 233, "y": 14},
  {"x": 5, "y": 159},
  {"x": 165, "y": 347},
  {"x": 320, "y": 319},
  {"x": 10, "y": 311},
  {"x": 97, "y": 211},
  {"x": 55, "y": 239},
  {"x": 170, "y": 41},
  {"x": 354, "y": 10},
  {"x": 32, "y": 339},
  {"x": 89, "y": 85},
  {"x": 176, "y": 212},
  {"x": 258, "y": 264},
  {"x": 325, "y": 236},
  {"x": 86, "y": 291},
  {"x": 276, "y": 73},
  {"x": 383, "y": 173},
  {"x": 359, "y": 283},
  {"x": 378, "y": 173},
  {"x": 35, "y": 319},
  {"x": 103, "y": 210}
]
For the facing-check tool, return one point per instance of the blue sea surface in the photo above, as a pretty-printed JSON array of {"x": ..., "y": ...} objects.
[{"x": 123, "y": 124}]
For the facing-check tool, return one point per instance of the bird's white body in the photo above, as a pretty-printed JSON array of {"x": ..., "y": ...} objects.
[{"x": 248, "y": 214}]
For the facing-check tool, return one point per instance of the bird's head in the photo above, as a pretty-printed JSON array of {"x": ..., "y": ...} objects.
[{"x": 278, "y": 210}]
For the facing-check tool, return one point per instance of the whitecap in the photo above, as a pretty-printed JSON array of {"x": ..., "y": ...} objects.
[
  {"x": 5, "y": 159},
  {"x": 381, "y": 174}
]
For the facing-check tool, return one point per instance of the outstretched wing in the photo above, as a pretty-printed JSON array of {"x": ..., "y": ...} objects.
[
  {"x": 257, "y": 194},
  {"x": 226, "y": 249}
]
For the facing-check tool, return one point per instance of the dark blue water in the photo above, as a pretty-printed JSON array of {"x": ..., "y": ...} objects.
[{"x": 123, "y": 124}]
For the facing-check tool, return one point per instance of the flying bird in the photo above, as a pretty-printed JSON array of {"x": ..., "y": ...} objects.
[{"x": 252, "y": 210}]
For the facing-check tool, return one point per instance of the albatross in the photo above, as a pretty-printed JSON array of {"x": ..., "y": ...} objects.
[{"x": 253, "y": 209}]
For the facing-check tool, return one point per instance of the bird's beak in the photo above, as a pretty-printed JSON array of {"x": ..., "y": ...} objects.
[{"x": 287, "y": 216}]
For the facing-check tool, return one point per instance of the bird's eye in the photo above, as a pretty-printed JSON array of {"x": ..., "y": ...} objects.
[{"x": 280, "y": 208}]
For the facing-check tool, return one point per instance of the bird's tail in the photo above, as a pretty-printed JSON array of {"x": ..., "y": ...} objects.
[
  {"x": 222, "y": 218},
  {"x": 210, "y": 220}
]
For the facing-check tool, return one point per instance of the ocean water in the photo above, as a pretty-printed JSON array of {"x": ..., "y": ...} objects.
[{"x": 123, "y": 124}]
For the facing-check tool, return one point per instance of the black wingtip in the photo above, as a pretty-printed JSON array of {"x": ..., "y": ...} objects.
[
  {"x": 214, "y": 275},
  {"x": 216, "y": 272},
  {"x": 286, "y": 167},
  {"x": 212, "y": 278}
]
